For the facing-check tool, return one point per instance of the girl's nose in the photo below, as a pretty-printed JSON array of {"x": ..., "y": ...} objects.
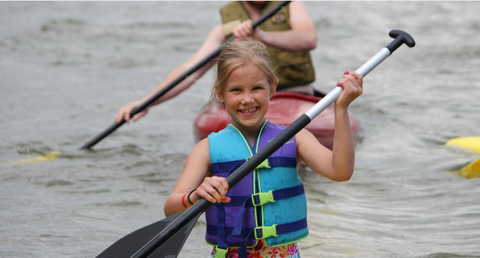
[{"x": 247, "y": 98}]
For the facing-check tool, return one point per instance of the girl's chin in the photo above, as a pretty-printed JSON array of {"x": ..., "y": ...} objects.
[
  {"x": 248, "y": 122},
  {"x": 249, "y": 115}
]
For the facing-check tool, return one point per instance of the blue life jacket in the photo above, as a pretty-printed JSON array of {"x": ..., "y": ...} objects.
[{"x": 267, "y": 204}]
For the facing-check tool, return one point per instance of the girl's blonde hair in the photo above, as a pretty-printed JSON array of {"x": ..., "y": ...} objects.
[{"x": 237, "y": 54}]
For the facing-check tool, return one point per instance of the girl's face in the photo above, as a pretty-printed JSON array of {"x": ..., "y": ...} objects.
[{"x": 247, "y": 97}]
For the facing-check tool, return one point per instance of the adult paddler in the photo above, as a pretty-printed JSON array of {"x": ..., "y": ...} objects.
[{"x": 289, "y": 36}]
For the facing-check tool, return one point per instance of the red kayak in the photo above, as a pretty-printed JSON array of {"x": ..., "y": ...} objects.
[{"x": 285, "y": 107}]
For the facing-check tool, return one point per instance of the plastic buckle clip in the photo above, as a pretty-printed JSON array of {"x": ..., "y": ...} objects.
[
  {"x": 264, "y": 164},
  {"x": 262, "y": 198},
  {"x": 220, "y": 253},
  {"x": 267, "y": 231}
]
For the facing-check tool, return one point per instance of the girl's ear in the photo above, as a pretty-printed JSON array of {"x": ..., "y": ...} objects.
[
  {"x": 220, "y": 97},
  {"x": 273, "y": 89},
  {"x": 218, "y": 93}
]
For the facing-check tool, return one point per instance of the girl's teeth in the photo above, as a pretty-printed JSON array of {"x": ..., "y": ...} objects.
[{"x": 249, "y": 111}]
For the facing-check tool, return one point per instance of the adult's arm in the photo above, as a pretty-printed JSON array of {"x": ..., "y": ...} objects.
[{"x": 213, "y": 41}]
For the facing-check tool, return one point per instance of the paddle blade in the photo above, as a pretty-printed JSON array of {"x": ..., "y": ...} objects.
[
  {"x": 42, "y": 158},
  {"x": 471, "y": 144},
  {"x": 470, "y": 171},
  {"x": 131, "y": 243}
]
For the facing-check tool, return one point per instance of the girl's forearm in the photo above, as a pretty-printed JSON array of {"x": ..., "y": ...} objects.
[
  {"x": 176, "y": 203},
  {"x": 343, "y": 146}
]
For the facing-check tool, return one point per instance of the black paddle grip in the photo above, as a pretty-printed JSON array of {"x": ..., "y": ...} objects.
[{"x": 400, "y": 37}]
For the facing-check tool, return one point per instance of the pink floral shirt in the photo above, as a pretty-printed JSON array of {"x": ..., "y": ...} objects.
[{"x": 261, "y": 250}]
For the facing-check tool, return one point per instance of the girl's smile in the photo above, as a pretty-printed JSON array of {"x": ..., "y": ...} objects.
[{"x": 249, "y": 112}]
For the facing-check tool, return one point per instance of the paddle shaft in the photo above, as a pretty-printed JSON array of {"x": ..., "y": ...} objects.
[
  {"x": 234, "y": 178},
  {"x": 179, "y": 79}
]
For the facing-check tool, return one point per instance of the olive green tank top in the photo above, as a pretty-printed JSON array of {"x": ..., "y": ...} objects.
[{"x": 292, "y": 68}]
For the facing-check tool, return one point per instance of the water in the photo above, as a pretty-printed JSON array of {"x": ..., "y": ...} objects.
[{"x": 66, "y": 67}]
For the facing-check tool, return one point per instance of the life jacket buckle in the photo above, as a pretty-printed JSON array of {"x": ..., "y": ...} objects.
[
  {"x": 266, "y": 231},
  {"x": 264, "y": 164},
  {"x": 262, "y": 198},
  {"x": 220, "y": 253}
]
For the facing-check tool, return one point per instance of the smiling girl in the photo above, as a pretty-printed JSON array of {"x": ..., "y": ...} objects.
[{"x": 264, "y": 215}]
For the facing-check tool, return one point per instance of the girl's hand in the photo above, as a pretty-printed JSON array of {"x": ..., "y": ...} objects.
[
  {"x": 213, "y": 189},
  {"x": 352, "y": 88}
]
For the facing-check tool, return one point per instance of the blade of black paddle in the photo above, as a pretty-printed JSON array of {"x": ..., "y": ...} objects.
[{"x": 127, "y": 246}]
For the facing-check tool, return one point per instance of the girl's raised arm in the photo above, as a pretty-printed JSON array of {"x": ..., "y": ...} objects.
[{"x": 338, "y": 164}]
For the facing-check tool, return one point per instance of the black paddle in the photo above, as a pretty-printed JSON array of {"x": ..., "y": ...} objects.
[
  {"x": 179, "y": 79},
  {"x": 177, "y": 228}
]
